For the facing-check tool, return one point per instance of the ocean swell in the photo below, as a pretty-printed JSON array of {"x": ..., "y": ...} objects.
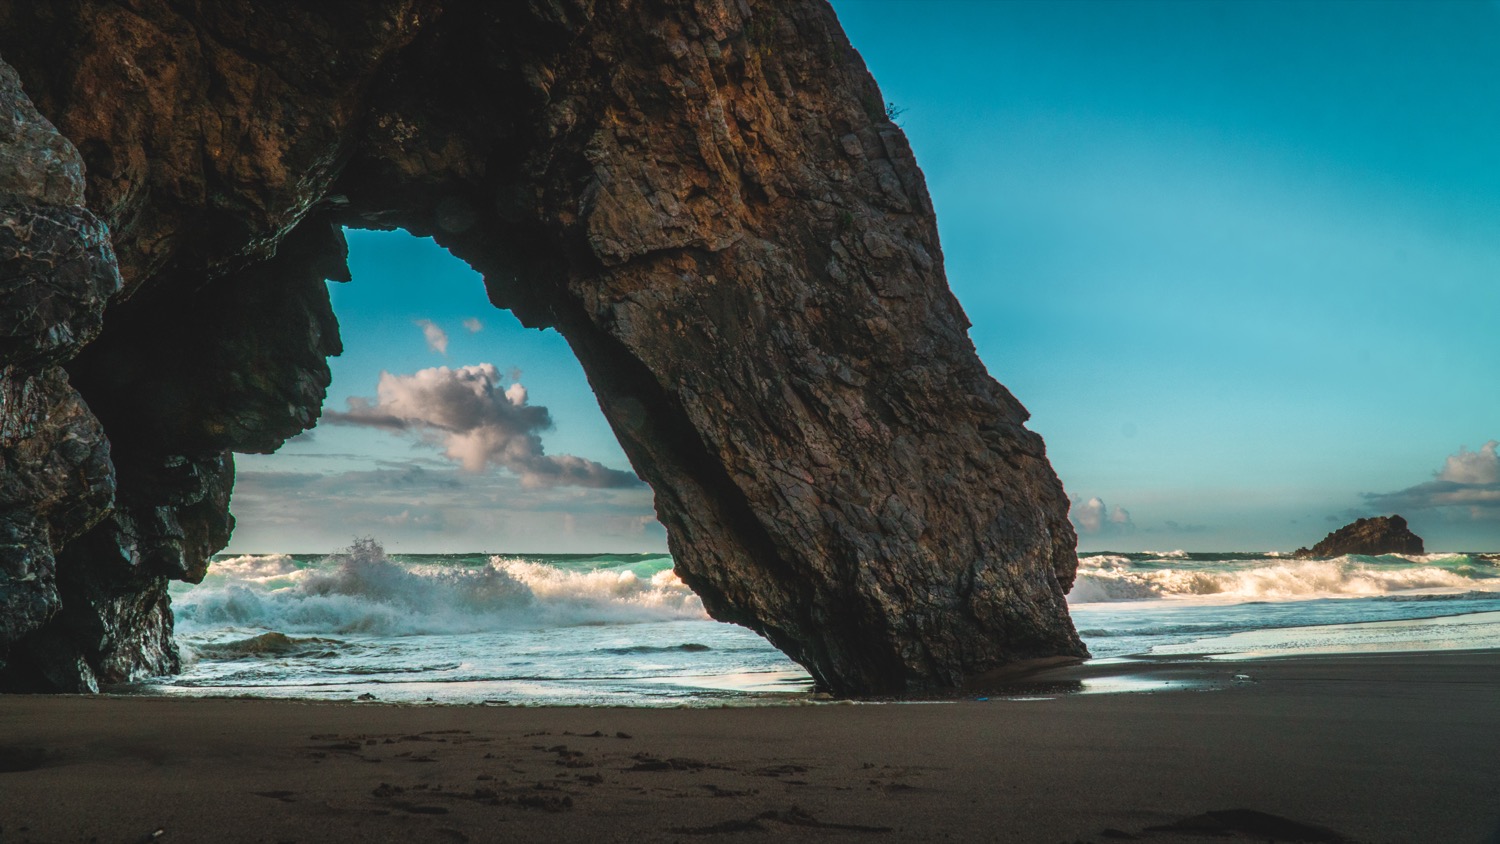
[
  {"x": 366, "y": 592},
  {"x": 1108, "y": 578}
]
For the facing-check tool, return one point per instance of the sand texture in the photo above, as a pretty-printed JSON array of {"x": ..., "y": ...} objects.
[{"x": 1399, "y": 747}]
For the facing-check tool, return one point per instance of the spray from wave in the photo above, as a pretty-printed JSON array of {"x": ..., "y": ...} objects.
[
  {"x": 1107, "y": 578},
  {"x": 365, "y": 591}
]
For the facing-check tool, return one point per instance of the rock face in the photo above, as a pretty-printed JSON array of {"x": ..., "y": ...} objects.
[
  {"x": 1379, "y": 535},
  {"x": 57, "y": 270},
  {"x": 705, "y": 197}
]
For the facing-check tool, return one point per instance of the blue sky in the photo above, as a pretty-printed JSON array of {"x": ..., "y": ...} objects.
[{"x": 1240, "y": 260}]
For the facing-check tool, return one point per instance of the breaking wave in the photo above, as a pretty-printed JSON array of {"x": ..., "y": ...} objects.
[
  {"x": 1106, "y": 578},
  {"x": 256, "y": 568},
  {"x": 366, "y": 592}
]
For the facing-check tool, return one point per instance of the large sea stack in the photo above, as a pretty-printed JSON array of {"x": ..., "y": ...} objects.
[
  {"x": 1371, "y": 537},
  {"x": 705, "y": 197}
]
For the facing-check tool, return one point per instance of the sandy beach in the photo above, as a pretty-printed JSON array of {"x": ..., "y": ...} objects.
[{"x": 1374, "y": 748}]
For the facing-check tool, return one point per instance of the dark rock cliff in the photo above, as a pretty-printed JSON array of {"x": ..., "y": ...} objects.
[
  {"x": 705, "y": 197},
  {"x": 56, "y": 479},
  {"x": 1379, "y": 535}
]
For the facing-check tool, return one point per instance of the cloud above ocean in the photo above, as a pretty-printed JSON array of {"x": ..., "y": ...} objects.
[
  {"x": 1467, "y": 485},
  {"x": 1095, "y": 518},
  {"x": 478, "y": 425}
]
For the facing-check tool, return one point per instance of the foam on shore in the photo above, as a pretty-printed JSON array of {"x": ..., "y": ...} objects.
[
  {"x": 1478, "y": 631},
  {"x": 1115, "y": 577}
]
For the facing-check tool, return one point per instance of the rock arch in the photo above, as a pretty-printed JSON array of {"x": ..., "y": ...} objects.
[{"x": 705, "y": 197}]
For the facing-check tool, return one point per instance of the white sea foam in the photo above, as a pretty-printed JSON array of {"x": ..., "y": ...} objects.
[
  {"x": 1178, "y": 554},
  {"x": 366, "y": 592},
  {"x": 1439, "y": 557},
  {"x": 1467, "y": 632},
  {"x": 1103, "y": 580},
  {"x": 1102, "y": 560},
  {"x": 604, "y": 595}
]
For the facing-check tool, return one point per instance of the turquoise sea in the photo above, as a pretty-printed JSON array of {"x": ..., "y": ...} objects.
[{"x": 621, "y": 629}]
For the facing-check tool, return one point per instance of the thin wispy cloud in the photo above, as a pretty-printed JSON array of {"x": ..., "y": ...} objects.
[
  {"x": 478, "y": 425},
  {"x": 437, "y": 338},
  {"x": 1467, "y": 485},
  {"x": 473, "y": 325}
]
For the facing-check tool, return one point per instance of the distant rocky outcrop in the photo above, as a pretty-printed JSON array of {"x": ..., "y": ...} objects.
[
  {"x": 707, "y": 198},
  {"x": 1379, "y": 535}
]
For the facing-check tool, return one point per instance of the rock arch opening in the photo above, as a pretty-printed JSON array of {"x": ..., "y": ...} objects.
[
  {"x": 447, "y": 427},
  {"x": 437, "y": 440}
]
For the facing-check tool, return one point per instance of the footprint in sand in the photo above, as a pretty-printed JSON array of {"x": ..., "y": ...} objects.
[{"x": 14, "y": 760}]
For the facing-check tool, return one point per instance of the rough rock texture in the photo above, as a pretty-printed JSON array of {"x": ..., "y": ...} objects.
[
  {"x": 705, "y": 197},
  {"x": 56, "y": 272},
  {"x": 1379, "y": 535}
]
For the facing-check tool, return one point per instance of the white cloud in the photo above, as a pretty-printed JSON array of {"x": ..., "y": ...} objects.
[
  {"x": 473, "y": 325},
  {"x": 1467, "y": 484},
  {"x": 477, "y": 424},
  {"x": 437, "y": 338},
  {"x": 1088, "y": 517},
  {"x": 1472, "y": 467},
  {"x": 1095, "y": 518}
]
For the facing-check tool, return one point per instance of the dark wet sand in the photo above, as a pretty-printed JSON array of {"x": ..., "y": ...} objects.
[{"x": 1394, "y": 747}]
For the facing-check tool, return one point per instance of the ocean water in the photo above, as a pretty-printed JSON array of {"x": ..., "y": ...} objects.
[
  {"x": 1177, "y": 603},
  {"x": 538, "y": 629},
  {"x": 622, "y": 629}
]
